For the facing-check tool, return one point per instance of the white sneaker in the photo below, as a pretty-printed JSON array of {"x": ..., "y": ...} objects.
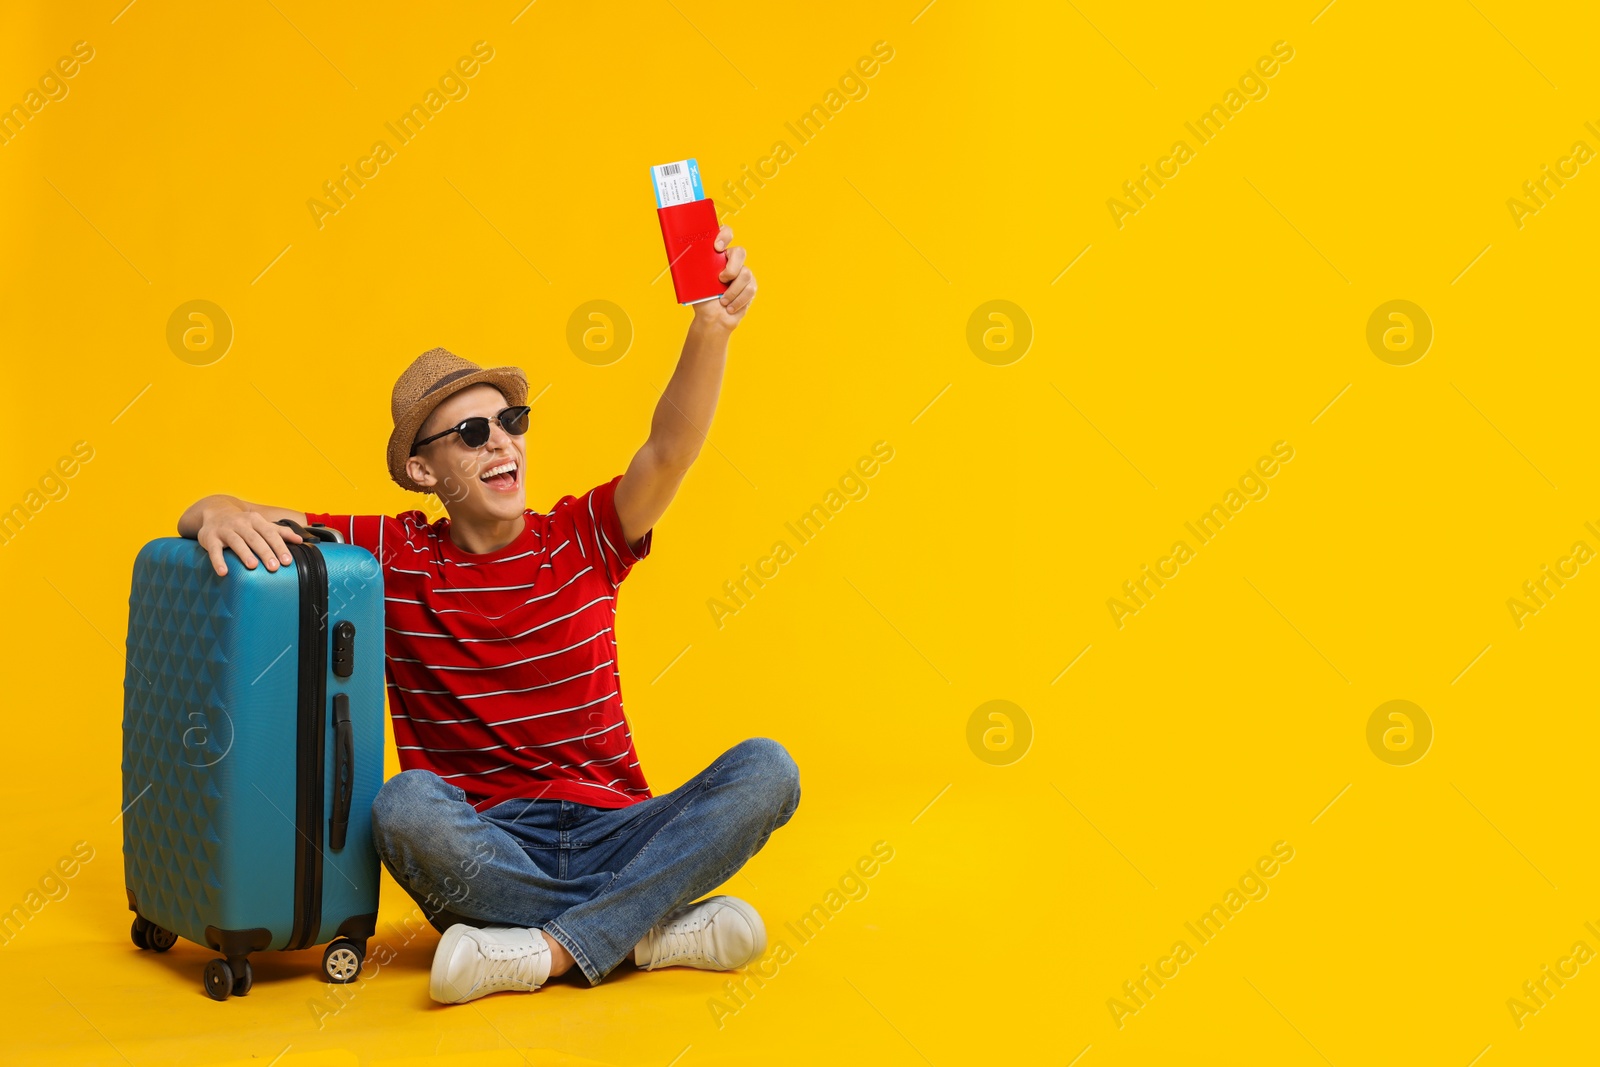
[
  {"x": 715, "y": 934},
  {"x": 471, "y": 963}
]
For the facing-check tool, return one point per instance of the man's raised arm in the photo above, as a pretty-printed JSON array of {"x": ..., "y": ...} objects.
[
  {"x": 683, "y": 416},
  {"x": 221, "y": 521}
]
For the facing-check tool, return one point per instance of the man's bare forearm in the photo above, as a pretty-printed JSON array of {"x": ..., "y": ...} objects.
[{"x": 683, "y": 415}]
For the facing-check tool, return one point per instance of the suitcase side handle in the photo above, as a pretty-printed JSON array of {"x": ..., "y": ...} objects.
[
  {"x": 344, "y": 771},
  {"x": 314, "y": 532}
]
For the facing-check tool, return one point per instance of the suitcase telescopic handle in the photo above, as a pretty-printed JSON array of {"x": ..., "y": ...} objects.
[
  {"x": 314, "y": 532},
  {"x": 344, "y": 771}
]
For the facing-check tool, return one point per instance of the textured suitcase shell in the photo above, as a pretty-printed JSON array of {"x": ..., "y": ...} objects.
[{"x": 210, "y": 743}]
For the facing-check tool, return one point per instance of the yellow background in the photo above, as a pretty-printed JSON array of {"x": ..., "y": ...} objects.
[{"x": 1223, "y": 317}]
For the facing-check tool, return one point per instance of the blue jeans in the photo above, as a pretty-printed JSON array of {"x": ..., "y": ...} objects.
[{"x": 594, "y": 879}]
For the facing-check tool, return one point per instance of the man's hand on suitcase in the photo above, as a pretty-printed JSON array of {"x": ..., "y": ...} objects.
[{"x": 249, "y": 534}]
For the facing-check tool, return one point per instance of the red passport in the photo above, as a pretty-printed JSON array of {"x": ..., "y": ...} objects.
[{"x": 690, "y": 233}]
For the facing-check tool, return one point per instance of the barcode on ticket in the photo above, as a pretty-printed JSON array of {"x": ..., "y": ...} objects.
[{"x": 677, "y": 183}]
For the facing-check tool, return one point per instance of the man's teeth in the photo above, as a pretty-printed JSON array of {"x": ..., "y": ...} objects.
[{"x": 504, "y": 468}]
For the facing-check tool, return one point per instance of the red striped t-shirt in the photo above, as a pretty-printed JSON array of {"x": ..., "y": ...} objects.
[{"x": 502, "y": 667}]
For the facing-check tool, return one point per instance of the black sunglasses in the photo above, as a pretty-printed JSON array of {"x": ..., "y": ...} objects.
[{"x": 475, "y": 431}]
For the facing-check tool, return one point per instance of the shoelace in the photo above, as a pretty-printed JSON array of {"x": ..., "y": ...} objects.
[
  {"x": 680, "y": 939},
  {"x": 503, "y": 968}
]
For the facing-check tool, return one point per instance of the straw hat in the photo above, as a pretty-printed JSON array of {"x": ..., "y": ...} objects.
[{"x": 432, "y": 377}]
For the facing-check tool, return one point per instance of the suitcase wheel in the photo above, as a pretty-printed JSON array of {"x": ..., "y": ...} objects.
[
  {"x": 147, "y": 934},
  {"x": 243, "y": 977},
  {"x": 341, "y": 961},
  {"x": 218, "y": 979},
  {"x": 231, "y": 977}
]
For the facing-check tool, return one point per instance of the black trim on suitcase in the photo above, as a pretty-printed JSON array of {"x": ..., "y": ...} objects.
[
  {"x": 310, "y": 772},
  {"x": 238, "y": 943},
  {"x": 344, "y": 770},
  {"x": 359, "y": 927}
]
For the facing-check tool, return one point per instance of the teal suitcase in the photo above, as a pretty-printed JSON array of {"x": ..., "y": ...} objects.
[{"x": 252, "y": 749}]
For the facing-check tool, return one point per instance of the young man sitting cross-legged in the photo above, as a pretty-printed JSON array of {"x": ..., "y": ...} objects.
[{"x": 522, "y": 822}]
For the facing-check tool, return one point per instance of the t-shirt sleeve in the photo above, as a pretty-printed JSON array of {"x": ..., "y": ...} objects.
[
  {"x": 597, "y": 529},
  {"x": 382, "y": 535}
]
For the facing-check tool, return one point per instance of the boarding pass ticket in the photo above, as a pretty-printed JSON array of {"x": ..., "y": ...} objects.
[{"x": 677, "y": 183}]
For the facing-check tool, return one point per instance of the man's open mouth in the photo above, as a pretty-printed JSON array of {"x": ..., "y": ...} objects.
[{"x": 501, "y": 478}]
